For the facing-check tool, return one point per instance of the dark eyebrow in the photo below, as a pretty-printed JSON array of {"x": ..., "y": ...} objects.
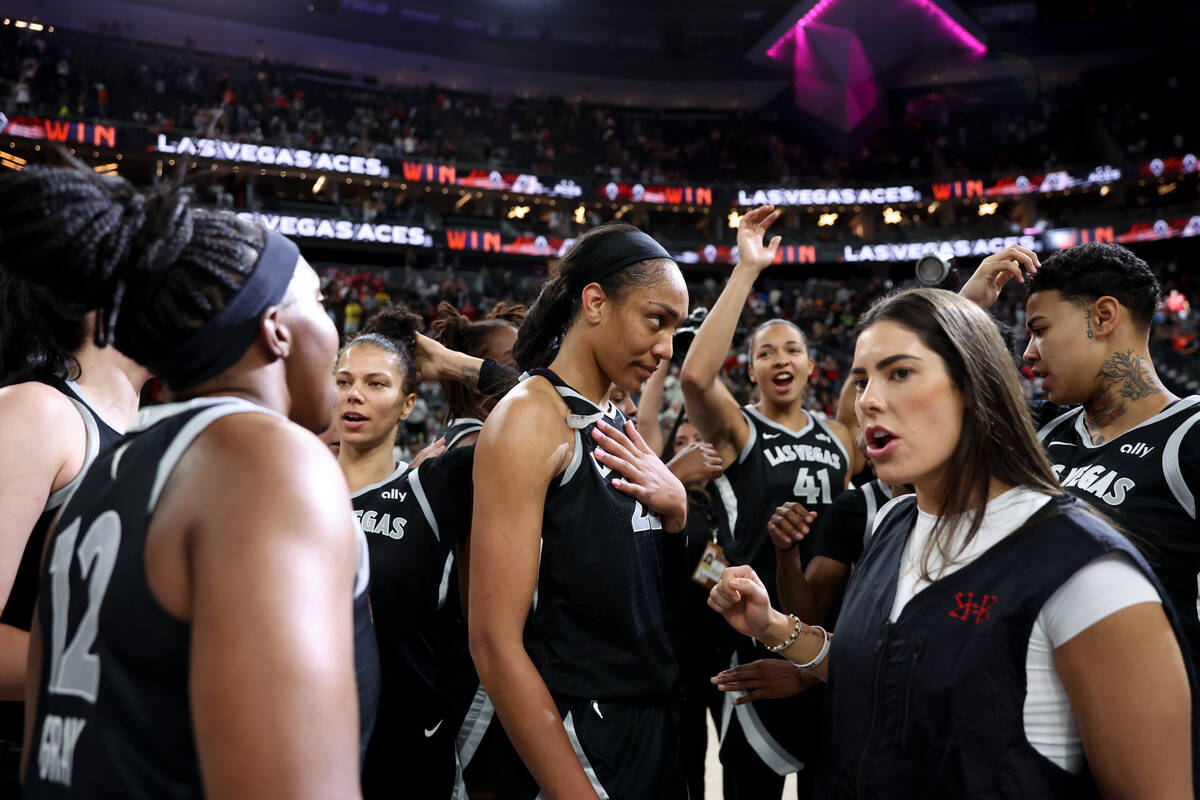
[
  {"x": 367, "y": 376},
  {"x": 785, "y": 344},
  {"x": 884, "y": 363},
  {"x": 672, "y": 312},
  {"x": 1033, "y": 319}
]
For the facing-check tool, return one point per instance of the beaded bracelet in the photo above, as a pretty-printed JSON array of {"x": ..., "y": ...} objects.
[{"x": 776, "y": 648}]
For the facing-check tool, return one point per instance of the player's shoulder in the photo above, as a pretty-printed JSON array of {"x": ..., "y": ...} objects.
[
  {"x": 35, "y": 405},
  {"x": 533, "y": 402}
]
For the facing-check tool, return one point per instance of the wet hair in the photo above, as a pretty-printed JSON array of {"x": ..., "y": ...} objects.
[
  {"x": 457, "y": 332},
  {"x": 38, "y": 334},
  {"x": 394, "y": 330},
  {"x": 1085, "y": 273},
  {"x": 156, "y": 266},
  {"x": 560, "y": 299},
  {"x": 998, "y": 440}
]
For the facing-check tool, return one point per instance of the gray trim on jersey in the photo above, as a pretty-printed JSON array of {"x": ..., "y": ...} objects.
[
  {"x": 569, "y": 724},
  {"x": 469, "y": 429},
  {"x": 729, "y": 499},
  {"x": 751, "y": 437},
  {"x": 475, "y": 725},
  {"x": 401, "y": 468},
  {"x": 1172, "y": 471},
  {"x": 1049, "y": 426},
  {"x": 444, "y": 586},
  {"x": 116, "y": 461},
  {"x": 886, "y": 509},
  {"x": 74, "y": 387},
  {"x": 576, "y": 460},
  {"x": 91, "y": 450},
  {"x": 823, "y": 423},
  {"x": 537, "y": 581},
  {"x": 764, "y": 745},
  {"x": 778, "y": 426},
  {"x": 221, "y": 407},
  {"x": 873, "y": 505},
  {"x": 1183, "y": 404},
  {"x": 362, "y": 576},
  {"x": 418, "y": 490}
]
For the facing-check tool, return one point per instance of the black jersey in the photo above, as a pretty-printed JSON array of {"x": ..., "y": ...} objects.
[
  {"x": 460, "y": 427},
  {"x": 777, "y": 466},
  {"x": 597, "y": 629},
  {"x": 114, "y": 716},
  {"x": 843, "y": 531},
  {"x": 1147, "y": 480},
  {"x": 412, "y": 520},
  {"x": 18, "y": 611}
]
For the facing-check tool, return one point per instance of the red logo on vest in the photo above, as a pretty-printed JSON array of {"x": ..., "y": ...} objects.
[{"x": 967, "y": 607}]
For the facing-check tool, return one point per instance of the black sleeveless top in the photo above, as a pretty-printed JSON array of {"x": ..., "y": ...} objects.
[
  {"x": 1146, "y": 480},
  {"x": 597, "y": 629},
  {"x": 776, "y": 466},
  {"x": 114, "y": 714},
  {"x": 18, "y": 611}
]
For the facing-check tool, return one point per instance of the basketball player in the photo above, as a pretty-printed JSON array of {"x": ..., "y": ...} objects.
[
  {"x": 63, "y": 400},
  {"x": 193, "y": 633},
  {"x": 1131, "y": 448},
  {"x": 773, "y": 452},
  {"x": 997, "y": 639},
  {"x": 376, "y": 379},
  {"x": 493, "y": 338},
  {"x": 567, "y": 620}
]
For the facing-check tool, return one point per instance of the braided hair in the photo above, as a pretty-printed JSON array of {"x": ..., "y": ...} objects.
[
  {"x": 560, "y": 299},
  {"x": 457, "y": 332},
  {"x": 394, "y": 330},
  {"x": 156, "y": 266}
]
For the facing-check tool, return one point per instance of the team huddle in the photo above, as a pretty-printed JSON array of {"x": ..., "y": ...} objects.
[{"x": 941, "y": 592}]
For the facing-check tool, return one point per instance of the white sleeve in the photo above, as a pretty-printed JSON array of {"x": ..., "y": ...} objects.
[{"x": 1099, "y": 589}]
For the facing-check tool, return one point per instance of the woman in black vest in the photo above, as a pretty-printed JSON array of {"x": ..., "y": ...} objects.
[
  {"x": 567, "y": 619},
  {"x": 996, "y": 639}
]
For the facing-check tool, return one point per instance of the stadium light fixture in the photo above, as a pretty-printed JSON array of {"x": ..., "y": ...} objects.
[
  {"x": 892, "y": 216},
  {"x": 518, "y": 212},
  {"x": 735, "y": 218},
  {"x": 987, "y": 209},
  {"x": 580, "y": 215},
  {"x": 827, "y": 220},
  {"x": 320, "y": 184}
]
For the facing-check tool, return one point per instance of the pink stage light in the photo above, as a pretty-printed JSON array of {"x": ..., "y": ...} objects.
[{"x": 945, "y": 20}]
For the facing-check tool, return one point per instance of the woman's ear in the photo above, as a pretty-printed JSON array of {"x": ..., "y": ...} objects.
[
  {"x": 274, "y": 333},
  {"x": 593, "y": 301}
]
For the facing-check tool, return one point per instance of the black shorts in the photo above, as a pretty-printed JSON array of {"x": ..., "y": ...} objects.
[
  {"x": 629, "y": 751},
  {"x": 410, "y": 757}
]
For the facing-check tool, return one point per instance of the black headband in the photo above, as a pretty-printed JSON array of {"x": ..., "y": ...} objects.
[
  {"x": 620, "y": 250},
  {"x": 221, "y": 341}
]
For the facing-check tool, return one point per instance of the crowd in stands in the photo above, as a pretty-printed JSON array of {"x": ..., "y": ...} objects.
[{"x": 1107, "y": 114}]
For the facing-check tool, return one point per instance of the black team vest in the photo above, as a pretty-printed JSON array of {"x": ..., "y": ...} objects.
[
  {"x": 597, "y": 629},
  {"x": 932, "y": 705},
  {"x": 114, "y": 709}
]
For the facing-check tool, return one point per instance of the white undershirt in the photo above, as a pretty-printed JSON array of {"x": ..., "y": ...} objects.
[{"x": 1099, "y": 589}]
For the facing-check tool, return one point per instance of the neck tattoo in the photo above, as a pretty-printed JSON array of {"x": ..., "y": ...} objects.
[{"x": 1126, "y": 378}]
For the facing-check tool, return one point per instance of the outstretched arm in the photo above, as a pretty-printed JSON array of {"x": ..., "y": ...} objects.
[
  {"x": 709, "y": 403},
  {"x": 650, "y": 406}
]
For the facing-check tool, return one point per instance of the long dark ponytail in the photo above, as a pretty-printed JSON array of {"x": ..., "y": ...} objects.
[{"x": 38, "y": 334}]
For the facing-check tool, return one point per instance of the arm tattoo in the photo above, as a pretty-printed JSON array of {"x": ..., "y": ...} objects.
[{"x": 470, "y": 376}]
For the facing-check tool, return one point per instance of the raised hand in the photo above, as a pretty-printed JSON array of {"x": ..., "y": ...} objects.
[
  {"x": 765, "y": 679},
  {"x": 753, "y": 251},
  {"x": 984, "y": 287},
  {"x": 790, "y": 523},
  {"x": 742, "y": 599},
  {"x": 699, "y": 462},
  {"x": 644, "y": 476}
]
